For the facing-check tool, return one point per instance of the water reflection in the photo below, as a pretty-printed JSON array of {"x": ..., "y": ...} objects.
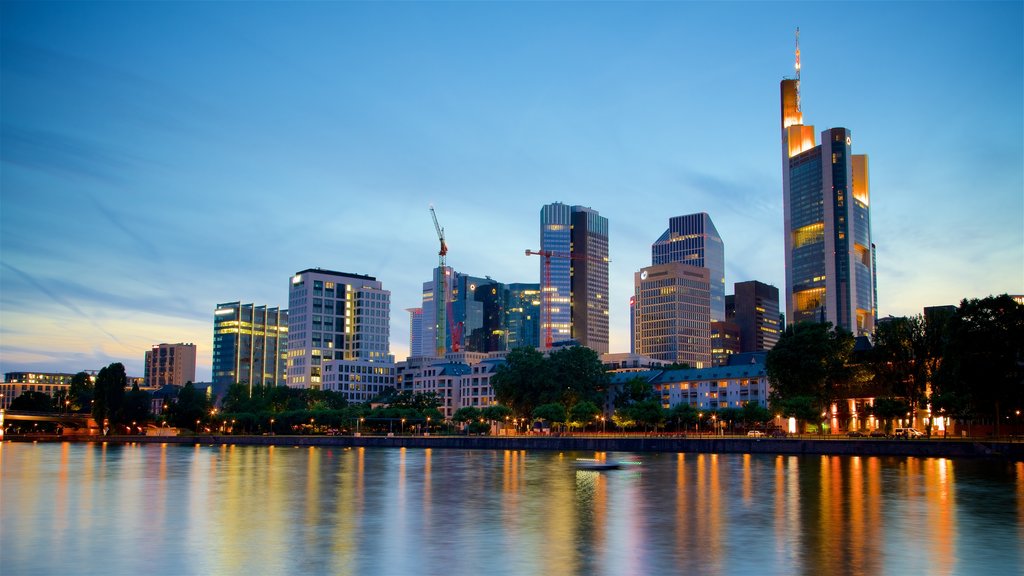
[{"x": 166, "y": 509}]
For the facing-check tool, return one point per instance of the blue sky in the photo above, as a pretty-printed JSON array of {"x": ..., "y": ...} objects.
[{"x": 161, "y": 157}]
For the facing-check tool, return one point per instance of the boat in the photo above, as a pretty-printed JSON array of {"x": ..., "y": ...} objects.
[{"x": 597, "y": 465}]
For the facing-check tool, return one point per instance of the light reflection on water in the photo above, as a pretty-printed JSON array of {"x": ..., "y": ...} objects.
[{"x": 165, "y": 509}]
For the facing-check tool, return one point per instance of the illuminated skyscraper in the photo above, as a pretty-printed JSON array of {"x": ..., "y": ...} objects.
[
  {"x": 522, "y": 316},
  {"x": 829, "y": 255},
  {"x": 574, "y": 291},
  {"x": 250, "y": 345},
  {"x": 673, "y": 321},
  {"x": 415, "y": 332},
  {"x": 693, "y": 239}
]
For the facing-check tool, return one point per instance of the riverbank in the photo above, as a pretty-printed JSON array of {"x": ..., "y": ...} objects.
[{"x": 960, "y": 448}]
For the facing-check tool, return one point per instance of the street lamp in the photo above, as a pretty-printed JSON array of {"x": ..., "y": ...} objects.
[
  {"x": 271, "y": 426},
  {"x": 428, "y": 424},
  {"x": 403, "y": 427},
  {"x": 602, "y": 424},
  {"x": 357, "y": 425}
]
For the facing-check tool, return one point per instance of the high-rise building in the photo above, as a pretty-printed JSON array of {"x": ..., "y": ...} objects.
[
  {"x": 829, "y": 255},
  {"x": 522, "y": 316},
  {"x": 478, "y": 314},
  {"x": 250, "y": 345},
  {"x": 672, "y": 303},
  {"x": 756, "y": 312},
  {"x": 693, "y": 239},
  {"x": 574, "y": 275},
  {"x": 335, "y": 316},
  {"x": 173, "y": 364},
  {"x": 416, "y": 332},
  {"x": 725, "y": 341}
]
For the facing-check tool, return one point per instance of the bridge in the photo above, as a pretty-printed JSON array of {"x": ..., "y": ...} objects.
[{"x": 66, "y": 420}]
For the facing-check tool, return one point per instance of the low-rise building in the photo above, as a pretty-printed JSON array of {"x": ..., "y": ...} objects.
[{"x": 713, "y": 388}]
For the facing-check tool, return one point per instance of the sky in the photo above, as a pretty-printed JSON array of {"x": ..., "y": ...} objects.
[{"x": 159, "y": 158}]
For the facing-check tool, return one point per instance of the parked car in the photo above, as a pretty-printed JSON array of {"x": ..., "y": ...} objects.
[
  {"x": 855, "y": 434},
  {"x": 778, "y": 433},
  {"x": 755, "y": 434},
  {"x": 907, "y": 433},
  {"x": 877, "y": 434}
]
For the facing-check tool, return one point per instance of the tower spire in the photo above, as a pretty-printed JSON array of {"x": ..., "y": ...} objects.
[{"x": 797, "y": 68}]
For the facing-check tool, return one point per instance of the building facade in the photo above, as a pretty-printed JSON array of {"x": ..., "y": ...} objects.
[
  {"x": 574, "y": 275},
  {"x": 725, "y": 341},
  {"x": 522, "y": 316},
  {"x": 713, "y": 388},
  {"x": 829, "y": 253},
  {"x": 250, "y": 345},
  {"x": 693, "y": 239},
  {"x": 672, "y": 308},
  {"x": 173, "y": 364},
  {"x": 416, "y": 332},
  {"x": 755, "y": 309},
  {"x": 334, "y": 316}
]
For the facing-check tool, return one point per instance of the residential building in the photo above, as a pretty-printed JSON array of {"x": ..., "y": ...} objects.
[
  {"x": 173, "y": 364},
  {"x": 755, "y": 310},
  {"x": 673, "y": 320},
  {"x": 713, "y": 388},
  {"x": 250, "y": 345},
  {"x": 335, "y": 316},
  {"x": 53, "y": 384},
  {"x": 830, "y": 258},
  {"x": 358, "y": 380},
  {"x": 574, "y": 276},
  {"x": 693, "y": 239}
]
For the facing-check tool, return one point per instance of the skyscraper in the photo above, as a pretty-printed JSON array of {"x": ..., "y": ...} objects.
[
  {"x": 829, "y": 255},
  {"x": 173, "y": 364},
  {"x": 250, "y": 345},
  {"x": 693, "y": 239},
  {"x": 522, "y": 316},
  {"x": 756, "y": 312},
  {"x": 574, "y": 275},
  {"x": 673, "y": 322},
  {"x": 416, "y": 332},
  {"x": 335, "y": 316}
]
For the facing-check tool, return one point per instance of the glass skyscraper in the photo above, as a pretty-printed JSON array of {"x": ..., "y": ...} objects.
[
  {"x": 522, "y": 316},
  {"x": 693, "y": 239},
  {"x": 829, "y": 255},
  {"x": 574, "y": 288},
  {"x": 249, "y": 345}
]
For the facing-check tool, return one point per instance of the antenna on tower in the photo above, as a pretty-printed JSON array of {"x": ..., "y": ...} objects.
[{"x": 798, "y": 108}]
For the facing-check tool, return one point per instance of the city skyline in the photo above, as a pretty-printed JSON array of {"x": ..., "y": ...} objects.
[{"x": 149, "y": 174}]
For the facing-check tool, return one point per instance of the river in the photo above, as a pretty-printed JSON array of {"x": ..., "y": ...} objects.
[{"x": 78, "y": 508}]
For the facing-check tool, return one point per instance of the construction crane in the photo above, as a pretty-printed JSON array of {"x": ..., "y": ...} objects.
[
  {"x": 441, "y": 289},
  {"x": 546, "y": 299}
]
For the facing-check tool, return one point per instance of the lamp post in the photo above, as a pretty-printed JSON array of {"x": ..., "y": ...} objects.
[
  {"x": 357, "y": 426},
  {"x": 402, "y": 432},
  {"x": 700, "y": 416},
  {"x": 271, "y": 426},
  {"x": 602, "y": 425},
  {"x": 428, "y": 425}
]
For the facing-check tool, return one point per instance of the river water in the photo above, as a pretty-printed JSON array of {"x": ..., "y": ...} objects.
[{"x": 220, "y": 510}]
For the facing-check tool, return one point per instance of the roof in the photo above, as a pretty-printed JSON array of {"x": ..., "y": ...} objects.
[
  {"x": 453, "y": 369},
  {"x": 333, "y": 273},
  {"x": 623, "y": 377},
  {"x": 713, "y": 373}
]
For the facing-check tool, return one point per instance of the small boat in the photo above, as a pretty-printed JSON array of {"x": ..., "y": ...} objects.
[{"x": 596, "y": 465}]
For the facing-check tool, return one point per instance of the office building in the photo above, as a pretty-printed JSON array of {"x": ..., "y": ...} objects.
[
  {"x": 416, "y": 332},
  {"x": 829, "y": 254},
  {"x": 672, "y": 303},
  {"x": 173, "y": 364},
  {"x": 334, "y": 316},
  {"x": 522, "y": 316},
  {"x": 250, "y": 345},
  {"x": 755, "y": 309},
  {"x": 693, "y": 239},
  {"x": 574, "y": 276},
  {"x": 725, "y": 341}
]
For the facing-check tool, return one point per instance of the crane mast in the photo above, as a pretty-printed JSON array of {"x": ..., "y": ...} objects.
[{"x": 440, "y": 289}]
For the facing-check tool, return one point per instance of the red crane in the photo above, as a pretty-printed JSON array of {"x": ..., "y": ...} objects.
[{"x": 546, "y": 300}]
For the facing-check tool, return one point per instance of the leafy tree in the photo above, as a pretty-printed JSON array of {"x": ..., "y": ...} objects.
[
  {"x": 109, "y": 394},
  {"x": 728, "y": 416},
  {"x": 899, "y": 359},
  {"x": 634, "y": 390},
  {"x": 81, "y": 391},
  {"x": 683, "y": 415},
  {"x": 136, "y": 405},
  {"x": 646, "y": 413},
  {"x": 467, "y": 414},
  {"x": 983, "y": 360},
  {"x": 583, "y": 413},
  {"x": 754, "y": 413},
  {"x": 811, "y": 360},
  {"x": 552, "y": 412},
  {"x": 524, "y": 381},
  {"x": 496, "y": 413},
  {"x": 190, "y": 406},
  {"x": 579, "y": 374},
  {"x": 888, "y": 409},
  {"x": 803, "y": 408},
  {"x": 32, "y": 401}
]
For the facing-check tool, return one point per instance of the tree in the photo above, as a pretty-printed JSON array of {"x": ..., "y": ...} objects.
[
  {"x": 983, "y": 361},
  {"x": 136, "y": 405},
  {"x": 811, "y": 360},
  {"x": 898, "y": 359},
  {"x": 583, "y": 413},
  {"x": 524, "y": 381},
  {"x": 467, "y": 414},
  {"x": 579, "y": 374},
  {"x": 634, "y": 390},
  {"x": 191, "y": 406},
  {"x": 109, "y": 394},
  {"x": 80, "y": 392},
  {"x": 646, "y": 413},
  {"x": 803, "y": 408},
  {"x": 754, "y": 413},
  {"x": 32, "y": 401},
  {"x": 888, "y": 409},
  {"x": 552, "y": 412},
  {"x": 683, "y": 415}
]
